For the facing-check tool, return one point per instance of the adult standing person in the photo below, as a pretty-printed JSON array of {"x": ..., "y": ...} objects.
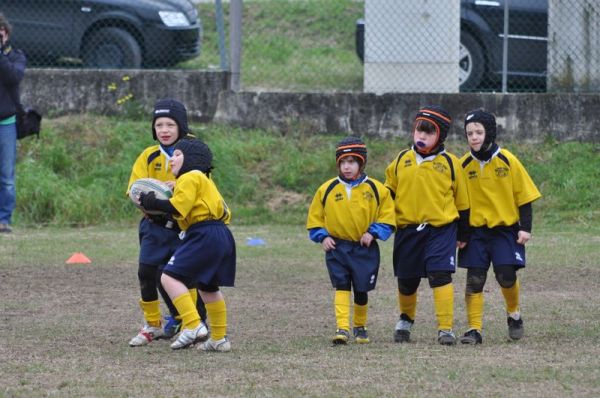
[{"x": 12, "y": 70}]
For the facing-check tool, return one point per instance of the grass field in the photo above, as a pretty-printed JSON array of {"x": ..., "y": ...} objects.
[
  {"x": 65, "y": 328},
  {"x": 290, "y": 45}
]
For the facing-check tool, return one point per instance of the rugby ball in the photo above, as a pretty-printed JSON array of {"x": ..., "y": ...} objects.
[{"x": 145, "y": 185}]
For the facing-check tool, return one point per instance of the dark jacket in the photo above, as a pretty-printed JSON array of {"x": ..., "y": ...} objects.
[{"x": 12, "y": 70}]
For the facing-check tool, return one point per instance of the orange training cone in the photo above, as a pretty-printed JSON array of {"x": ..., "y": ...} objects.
[{"x": 78, "y": 258}]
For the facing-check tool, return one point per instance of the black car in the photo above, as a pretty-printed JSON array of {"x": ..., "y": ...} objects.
[
  {"x": 105, "y": 33},
  {"x": 481, "y": 43}
]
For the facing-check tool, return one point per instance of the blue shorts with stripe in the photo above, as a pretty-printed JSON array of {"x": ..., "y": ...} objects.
[
  {"x": 419, "y": 249},
  {"x": 157, "y": 243},
  {"x": 351, "y": 262},
  {"x": 496, "y": 245},
  {"x": 206, "y": 255}
]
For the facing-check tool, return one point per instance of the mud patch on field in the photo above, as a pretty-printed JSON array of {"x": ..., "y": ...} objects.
[{"x": 281, "y": 199}]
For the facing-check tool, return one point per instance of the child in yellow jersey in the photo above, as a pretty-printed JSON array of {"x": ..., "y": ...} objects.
[
  {"x": 206, "y": 257},
  {"x": 347, "y": 215},
  {"x": 500, "y": 195},
  {"x": 158, "y": 235},
  {"x": 432, "y": 211}
]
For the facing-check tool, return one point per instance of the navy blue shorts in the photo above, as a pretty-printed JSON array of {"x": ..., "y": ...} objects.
[
  {"x": 206, "y": 255},
  {"x": 351, "y": 262},
  {"x": 422, "y": 249},
  {"x": 496, "y": 245},
  {"x": 157, "y": 243}
]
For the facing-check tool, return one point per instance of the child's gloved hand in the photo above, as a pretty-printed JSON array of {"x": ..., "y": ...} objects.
[{"x": 148, "y": 200}]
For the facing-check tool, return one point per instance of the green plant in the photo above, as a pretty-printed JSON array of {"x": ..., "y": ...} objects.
[{"x": 77, "y": 173}]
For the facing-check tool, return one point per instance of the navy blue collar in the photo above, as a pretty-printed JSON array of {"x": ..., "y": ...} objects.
[{"x": 168, "y": 149}]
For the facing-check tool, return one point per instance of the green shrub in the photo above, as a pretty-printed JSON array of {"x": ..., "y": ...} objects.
[{"x": 77, "y": 173}]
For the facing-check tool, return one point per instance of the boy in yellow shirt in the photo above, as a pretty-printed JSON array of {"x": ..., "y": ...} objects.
[
  {"x": 347, "y": 214},
  {"x": 500, "y": 196},
  {"x": 158, "y": 234},
  {"x": 430, "y": 193}
]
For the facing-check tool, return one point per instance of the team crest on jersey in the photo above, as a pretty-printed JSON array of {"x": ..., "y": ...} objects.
[
  {"x": 407, "y": 163},
  {"x": 368, "y": 196},
  {"x": 338, "y": 197},
  {"x": 501, "y": 171},
  {"x": 441, "y": 167},
  {"x": 472, "y": 174},
  {"x": 157, "y": 166}
]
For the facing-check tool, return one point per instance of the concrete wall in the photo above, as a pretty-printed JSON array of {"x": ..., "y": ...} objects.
[
  {"x": 62, "y": 91},
  {"x": 531, "y": 117},
  {"x": 520, "y": 116}
]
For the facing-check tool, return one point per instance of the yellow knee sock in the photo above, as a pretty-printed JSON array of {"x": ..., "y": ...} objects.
[
  {"x": 151, "y": 311},
  {"x": 194, "y": 295},
  {"x": 360, "y": 315},
  {"x": 408, "y": 304},
  {"x": 187, "y": 311},
  {"x": 443, "y": 299},
  {"x": 342, "y": 309},
  {"x": 511, "y": 297},
  {"x": 474, "y": 303},
  {"x": 216, "y": 312}
]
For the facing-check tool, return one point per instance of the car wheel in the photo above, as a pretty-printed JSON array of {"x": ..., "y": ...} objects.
[
  {"x": 470, "y": 64},
  {"x": 110, "y": 48}
]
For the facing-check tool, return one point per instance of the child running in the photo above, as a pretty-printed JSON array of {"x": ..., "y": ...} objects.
[
  {"x": 206, "y": 257},
  {"x": 347, "y": 214},
  {"x": 500, "y": 196}
]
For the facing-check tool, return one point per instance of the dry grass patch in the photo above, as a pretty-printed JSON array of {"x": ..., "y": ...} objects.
[{"x": 65, "y": 328}]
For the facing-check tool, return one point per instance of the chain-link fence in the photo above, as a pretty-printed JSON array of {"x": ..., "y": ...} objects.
[
  {"x": 103, "y": 34},
  {"x": 423, "y": 45},
  {"x": 447, "y": 46},
  {"x": 329, "y": 45},
  {"x": 481, "y": 45},
  {"x": 574, "y": 45}
]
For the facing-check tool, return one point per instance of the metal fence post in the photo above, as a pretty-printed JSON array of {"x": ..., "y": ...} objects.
[
  {"x": 505, "y": 50},
  {"x": 235, "y": 38},
  {"x": 221, "y": 33}
]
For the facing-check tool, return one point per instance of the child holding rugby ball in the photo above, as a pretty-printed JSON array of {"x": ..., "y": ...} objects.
[
  {"x": 158, "y": 234},
  {"x": 206, "y": 257}
]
